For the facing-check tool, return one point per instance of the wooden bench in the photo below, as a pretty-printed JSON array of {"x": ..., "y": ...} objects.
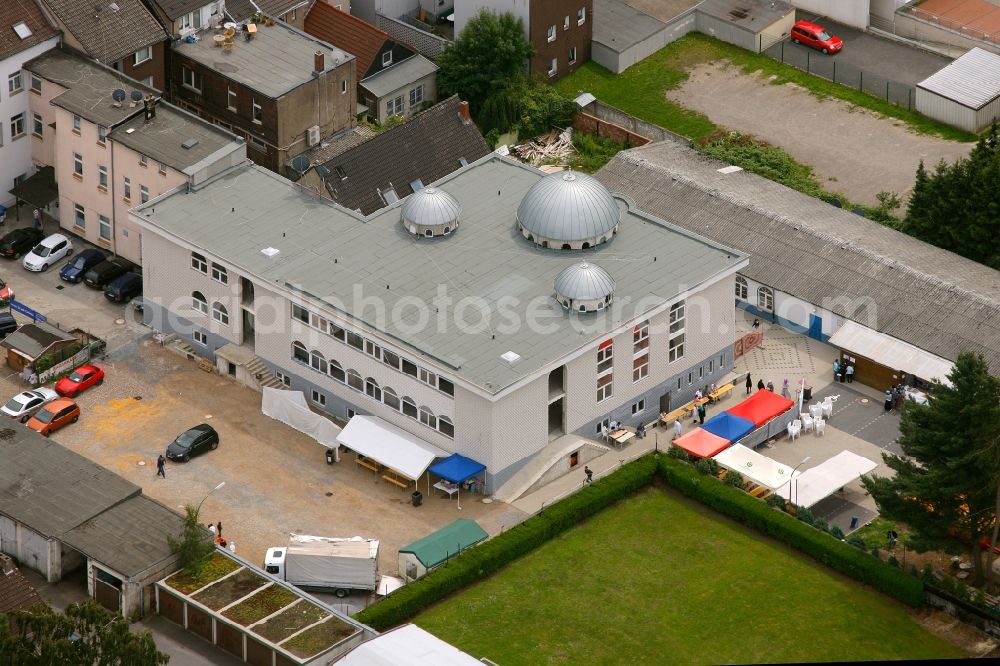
[
  {"x": 396, "y": 481},
  {"x": 367, "y": 464},
  {"x": 758, "y": 491},
  {"x": 206, "y": 365},
  {"x": 668, "y": 419},
  {"x": 723, "y": 390}
]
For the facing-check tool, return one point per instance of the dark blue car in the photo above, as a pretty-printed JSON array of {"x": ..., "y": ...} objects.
[{"x": 75, "y": 268}]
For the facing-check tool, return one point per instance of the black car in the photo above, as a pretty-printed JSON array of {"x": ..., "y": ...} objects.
[
  {"x": 19, "y": 241},
  {"x": 7, "y": 324},
  {"x": 191, "y": 442},
  {"x": 124, "y": 288},
  {"x": 75, "y": 268},
  {"x": 103, "y": 273}
]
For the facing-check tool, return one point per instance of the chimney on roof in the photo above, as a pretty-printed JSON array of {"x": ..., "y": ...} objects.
[
  {"x": 463, "y": 113},
  {"x": 149, "y": 104},
  {"x": 7, "y": 565},
  {"x": 319, "y": 62}
]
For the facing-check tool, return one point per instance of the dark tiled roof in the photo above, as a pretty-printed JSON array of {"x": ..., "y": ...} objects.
[
  {"x": 241, "y": 10},
  {"x": 428, "y": 146},
  {"x": 347, "y": 32},
  {"x": 16, "y": 592},
  {"x": 27, "y": 11},
  {"x": 864, "y": 271},
  {"x": 33, "y": 339},
  {"x": 174, "y": 9},
  {"x": 105, "y": 34}
]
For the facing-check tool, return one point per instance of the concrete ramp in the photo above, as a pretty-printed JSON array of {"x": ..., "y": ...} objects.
[{"x": 544, "y": 461}]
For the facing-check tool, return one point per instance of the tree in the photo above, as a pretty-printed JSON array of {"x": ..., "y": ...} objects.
[
  {"x": 947, "y": 489},
  {"x": 528, "y": 106},
  {"x": 957, "y": 206},
  {"x": 195, "y": 544},
  {"x": 84, "y": 635},
  {"x": 491, "y": 51}
]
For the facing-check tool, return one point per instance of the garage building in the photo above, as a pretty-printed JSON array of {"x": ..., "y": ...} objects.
[
  {"x": 750, "y": 24},
  {"x": 623, "y": 35},
  {"x": 965, "y": 93}
]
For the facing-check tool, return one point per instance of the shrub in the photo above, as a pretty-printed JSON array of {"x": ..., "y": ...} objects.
[
  {"x": 805, "y": 515},
  {"x": 875, "y": 553},
  {"x": 821, "y": 525},
  {"x": 677, "y": 452},
  {"x": 707, "y": 466},
  {"x": 913, "y": 568},
  {"x": 893, "y": 562},
  {"x": 756, "y": 515},
  {"x": 776, "y": 501},
  {"x": 927, "y": 573},
  {"x": 838, "y": 534},
  {"x": 734, "y": 479},
  {"x": 593, "y": 152}
]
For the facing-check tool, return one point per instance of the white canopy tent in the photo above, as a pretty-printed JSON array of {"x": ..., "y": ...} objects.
[
  {"x": 819, "y": 482},
  {"x": 291, "y": 408},
  {"x": 408, "y": 644},
  {"x": 890, "y": 352},
  {"x": 760, "y": 469},
  {"x": 391, "y": 446}
]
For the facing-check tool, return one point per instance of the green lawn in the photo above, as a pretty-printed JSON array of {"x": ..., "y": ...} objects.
[
  {"x": 656, "y": 579},
  {"x": 639, "y": 90}
]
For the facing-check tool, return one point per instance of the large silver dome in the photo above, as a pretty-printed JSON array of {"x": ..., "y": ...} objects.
[
  {"x": 585, "y": 287},
  {"x": 430, "y": 212},
  {"x": 568, "y": 210}
]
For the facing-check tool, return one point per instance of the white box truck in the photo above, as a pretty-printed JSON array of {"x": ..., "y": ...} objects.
[{"x": 326, "y": 563}]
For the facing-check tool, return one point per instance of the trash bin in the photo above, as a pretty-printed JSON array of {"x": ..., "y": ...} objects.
[
  {"x": 417, "y": 498},
  {"x": 329, "y": 456},
  {"x": 807, "y": 392}
]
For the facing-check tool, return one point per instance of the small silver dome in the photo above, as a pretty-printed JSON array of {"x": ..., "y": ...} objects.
[
  {"x": 568, "y": 210},
  {"x": 584, "y": 287},
  {"x": 430, "y": 212}
]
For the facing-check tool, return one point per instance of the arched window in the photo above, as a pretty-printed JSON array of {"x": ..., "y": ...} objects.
[
  {"x": 317, "y": 361},
  {"x": 409, "y": 407},
  {"x": 447, "y": 231},
  {"x": 586, "y": 246},
  {"x": 741, "y": 288},
  {"x": 299, "y": 352},
  {"x": 427, "y": 417},
  {"x": 390, "y": 398},
  {"x": 446, "y": 427},
  {"x": 583, "y": 308},
  {"x": 566, "y": 246},
  {"x": 220, "y": 314},
  {"x": 199, "y": 263},
  {"x": 765, "y": 299},
  {"x": 219, "y": 274},
  {"x": 199, "y": 302},
  {"x": 354, "y": 380},
  {"x": 337, "y": 372},
  {"x": 372, "y": 389},
  {"x": 428, "y": 233}
]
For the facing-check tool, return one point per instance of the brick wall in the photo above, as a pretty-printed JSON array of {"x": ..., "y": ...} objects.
[{"x": 584, "y": 122}]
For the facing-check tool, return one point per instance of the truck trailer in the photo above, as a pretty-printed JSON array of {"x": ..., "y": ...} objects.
[{"x": 326, "y": 563}]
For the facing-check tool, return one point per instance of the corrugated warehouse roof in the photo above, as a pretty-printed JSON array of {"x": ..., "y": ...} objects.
[
  {"x": 972, "y": 81},
  {"x": 862, "y": 270},
  {"x": 619, "y": 26}
]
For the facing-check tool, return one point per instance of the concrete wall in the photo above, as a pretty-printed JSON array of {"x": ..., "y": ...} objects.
[
  {"x": 726, "y": 31},
  {"x": 16, "y": 154},
  {"x": 610, "y": 114},
  {"x": 318, "y": 102},
  {"x": 852, "y": 12}
]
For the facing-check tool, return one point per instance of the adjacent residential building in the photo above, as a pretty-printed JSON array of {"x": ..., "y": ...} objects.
[
  {"x": 498, "y": 313},
  {"x": 401, "y": 160},
  {"x": 393, "y": 79},
  {"x": 427, "y": 11},
  {"x": 560, "y": 31},
  {"x": 292, "y": 12},
  {"x": 283, "y": 90},
  {"x": 181, "y": 18},
  {"x": 122, "y": 34},
  {"x": 25, "y": 33},
  {"x": 114, "y": 145}
]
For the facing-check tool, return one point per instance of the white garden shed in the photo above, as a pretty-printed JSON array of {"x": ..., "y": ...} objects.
[{"x": 965, "y": 93}]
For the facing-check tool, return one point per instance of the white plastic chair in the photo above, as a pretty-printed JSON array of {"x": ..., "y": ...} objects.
[
  {"x": 604, "y": 432},
  {"x": 807, "y": 422},
  {"x": 820, "y": 427},
  {"x": 827, "y": 409},
  {"x": 794, "y": 429},
  {"x": 816, "y": 410}
]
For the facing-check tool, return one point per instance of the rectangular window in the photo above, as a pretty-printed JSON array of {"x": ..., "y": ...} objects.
[
  {"x": 78, "y": 164},
  {"x": 409, "y": 368},
  {"x": 283, "y": 378},
  {"x": 318, "y": 398},
  {"x": 446, "y": 386},
  {"x": 14, "y": 84},
  {"x": 572, "y": 55},
  {"x": 202, "y": 339},
  {"x": 638, "y": 407},
  {"x": 387, "y": 58},
  {"x": 394, "y": 107},
  {"x": 127, "y": 193},
  {"x": 257, "y": 112},
  {"x": 355, "y": 341},
  {"x": 36, "y": 84},
  {"x": 191, "y": 79},
  {"x": 143, "y": 194},
  {"x": 722, "y": 361},
  {"x": 102, "y": 134},
  {"x": 676, "y": 344},
  {"x": 163, "y": 169},
  {"x": 219, "y": 274},
  {"x": 605, "y": 370},
  {"x": 343, "y": 87},
  {"x": 427, "y": 377},
  {"x": 80, "y": 216},
  {"x": 640, "y": 351},
  {"x": 76, "y": 123},
  {"x": 105, "y": 227},
  {"x": 373, "y": 349},
  {"x": 566, "y": 23},
  {"x": 102, "y": 177},
  {"x": 143, "y": 161},
  {"x": 142, "y": 55},
  {"x": 676, "y": 348},
  {"x": 417, "y": 96},
  {"x": 553, "y": 66},
  {"x": 37, "y": 126},
  {"x": 551, "y": 33},
  {"x": 231, "y": 100},
  {"x": 390, "y": 359},
  {"x": 701, "y": 371},
  {"x": 17, "y": 126},
  {"x": 300, "y": 313},
  {"x": 581, "y": 15}
]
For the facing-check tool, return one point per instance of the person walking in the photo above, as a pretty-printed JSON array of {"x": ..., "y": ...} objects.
[
  {"x": 760, "y": 384},
  {"x": 749, "y": 384},
  {"x": 160, "y": 462},
  {"x": 785, "y": 392},
  {"x": 770, "y": 387},
  {"x": 218, "y": 527},
  {"x": 900, "y": 396},
  {"x": 701, "y": 414},
  {"x": 211, "y": 528},
  {"x": 850, "y": 373},
  {"x": 836, "y": 369},
  {"x": 640, "y": 430},
  {"x": 36, "y": 215},
  {"x": 590, "y": 474},
  {"x": 843, "y": 372},
  {"x": 678, "y": 428},
  {"x": 888, "y": 400}
]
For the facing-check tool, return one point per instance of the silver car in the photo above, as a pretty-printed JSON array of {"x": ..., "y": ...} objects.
[{"x": 23, "y": 405}]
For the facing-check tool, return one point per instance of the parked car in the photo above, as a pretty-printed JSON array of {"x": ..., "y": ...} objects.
[
  {"x": 26, "y": 403},
  {"x": 73, "y": 270},
  {"x": 17, "y": 242},
  {"x": 193, "y": 441},
  {"x": 100, "y": 275},
  {"x": 55, "y": 415},
  {"x": 124, "y": 288},
  {"x": 810, "y": 34},
  {"x": 6, "y": 291},
  {"x": 79, "y": 380},
  {"x": 48, "y": 252},
  {"x": 7, "y": 324}
]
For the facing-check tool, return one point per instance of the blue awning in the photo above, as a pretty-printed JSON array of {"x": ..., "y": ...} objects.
[
  {"x": 457, "y": 468},
  {"x": 727, "y": 426}
]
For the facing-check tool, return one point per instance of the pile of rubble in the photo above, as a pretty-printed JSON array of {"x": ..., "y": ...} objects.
[{"x": 551, "y": 148}]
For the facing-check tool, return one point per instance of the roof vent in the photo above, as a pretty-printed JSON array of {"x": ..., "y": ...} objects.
[
  {"x": 510, "y": 357},
  {"x": 189, "y": 144},
  {"x": 270, "y": 252},
  {"x": 114, "y": 7}
]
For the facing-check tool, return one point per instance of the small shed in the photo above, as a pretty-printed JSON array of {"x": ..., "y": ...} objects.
[
  {"x": 32, "y": 341},
  {"x": 964, "y": 93},
  {"x": 624, "y": 35},
  {"x": 750, "y": 24},
  {"x": 437, "y": 548}
]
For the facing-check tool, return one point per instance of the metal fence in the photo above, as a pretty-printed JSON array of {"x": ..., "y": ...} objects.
[{"x": 827, "y": 67}]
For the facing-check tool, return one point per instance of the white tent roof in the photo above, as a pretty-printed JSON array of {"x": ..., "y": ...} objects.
[
  {"x": 393, "y": 447},
  {"x": 890, "y": 352},
  {"x": 760, "y": 469},
  {"x": 823, "y": 480},
  {"x": 409, "y": 645}
]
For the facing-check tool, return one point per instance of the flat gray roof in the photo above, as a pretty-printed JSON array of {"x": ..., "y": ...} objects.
[
  {"x": 164, "y": 136},
  {"x": 619, "y": 26},
  {"x": 278, "y": 60},
  {"x": 402, "y": 73},
  {"x": 325, "y": 251},
  {"x": 972, "y": 81},
  {"x": 753, "y": 15},
  {"x": 88, "y": 86}
]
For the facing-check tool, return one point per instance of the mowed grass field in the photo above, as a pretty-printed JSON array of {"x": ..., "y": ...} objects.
[{"x": 657, "y": 579}]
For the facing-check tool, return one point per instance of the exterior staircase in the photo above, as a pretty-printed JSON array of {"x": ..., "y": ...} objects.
[{"x": 264, "y": 377}]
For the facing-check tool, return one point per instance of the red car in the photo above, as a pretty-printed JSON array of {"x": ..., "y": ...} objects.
[
  {"x": 79, "y": 380},
  {"x": 810, "y": 34},
  {"x": 6, "y": 293}
]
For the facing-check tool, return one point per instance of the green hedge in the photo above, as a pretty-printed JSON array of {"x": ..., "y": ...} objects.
[
  {"x": 820, "y": 546},
  {"x": 487, "y": 558}
]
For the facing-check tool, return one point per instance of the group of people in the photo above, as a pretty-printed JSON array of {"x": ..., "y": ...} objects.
[
  {"x": 894, "y": 397},
  {"x": 216, "y": 530},
  {"x": 785, "y": 390},
  {"x": 843, "y": 371}
]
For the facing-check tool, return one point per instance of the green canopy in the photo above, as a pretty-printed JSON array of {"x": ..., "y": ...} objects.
[{"x": 446, "y": 543}]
